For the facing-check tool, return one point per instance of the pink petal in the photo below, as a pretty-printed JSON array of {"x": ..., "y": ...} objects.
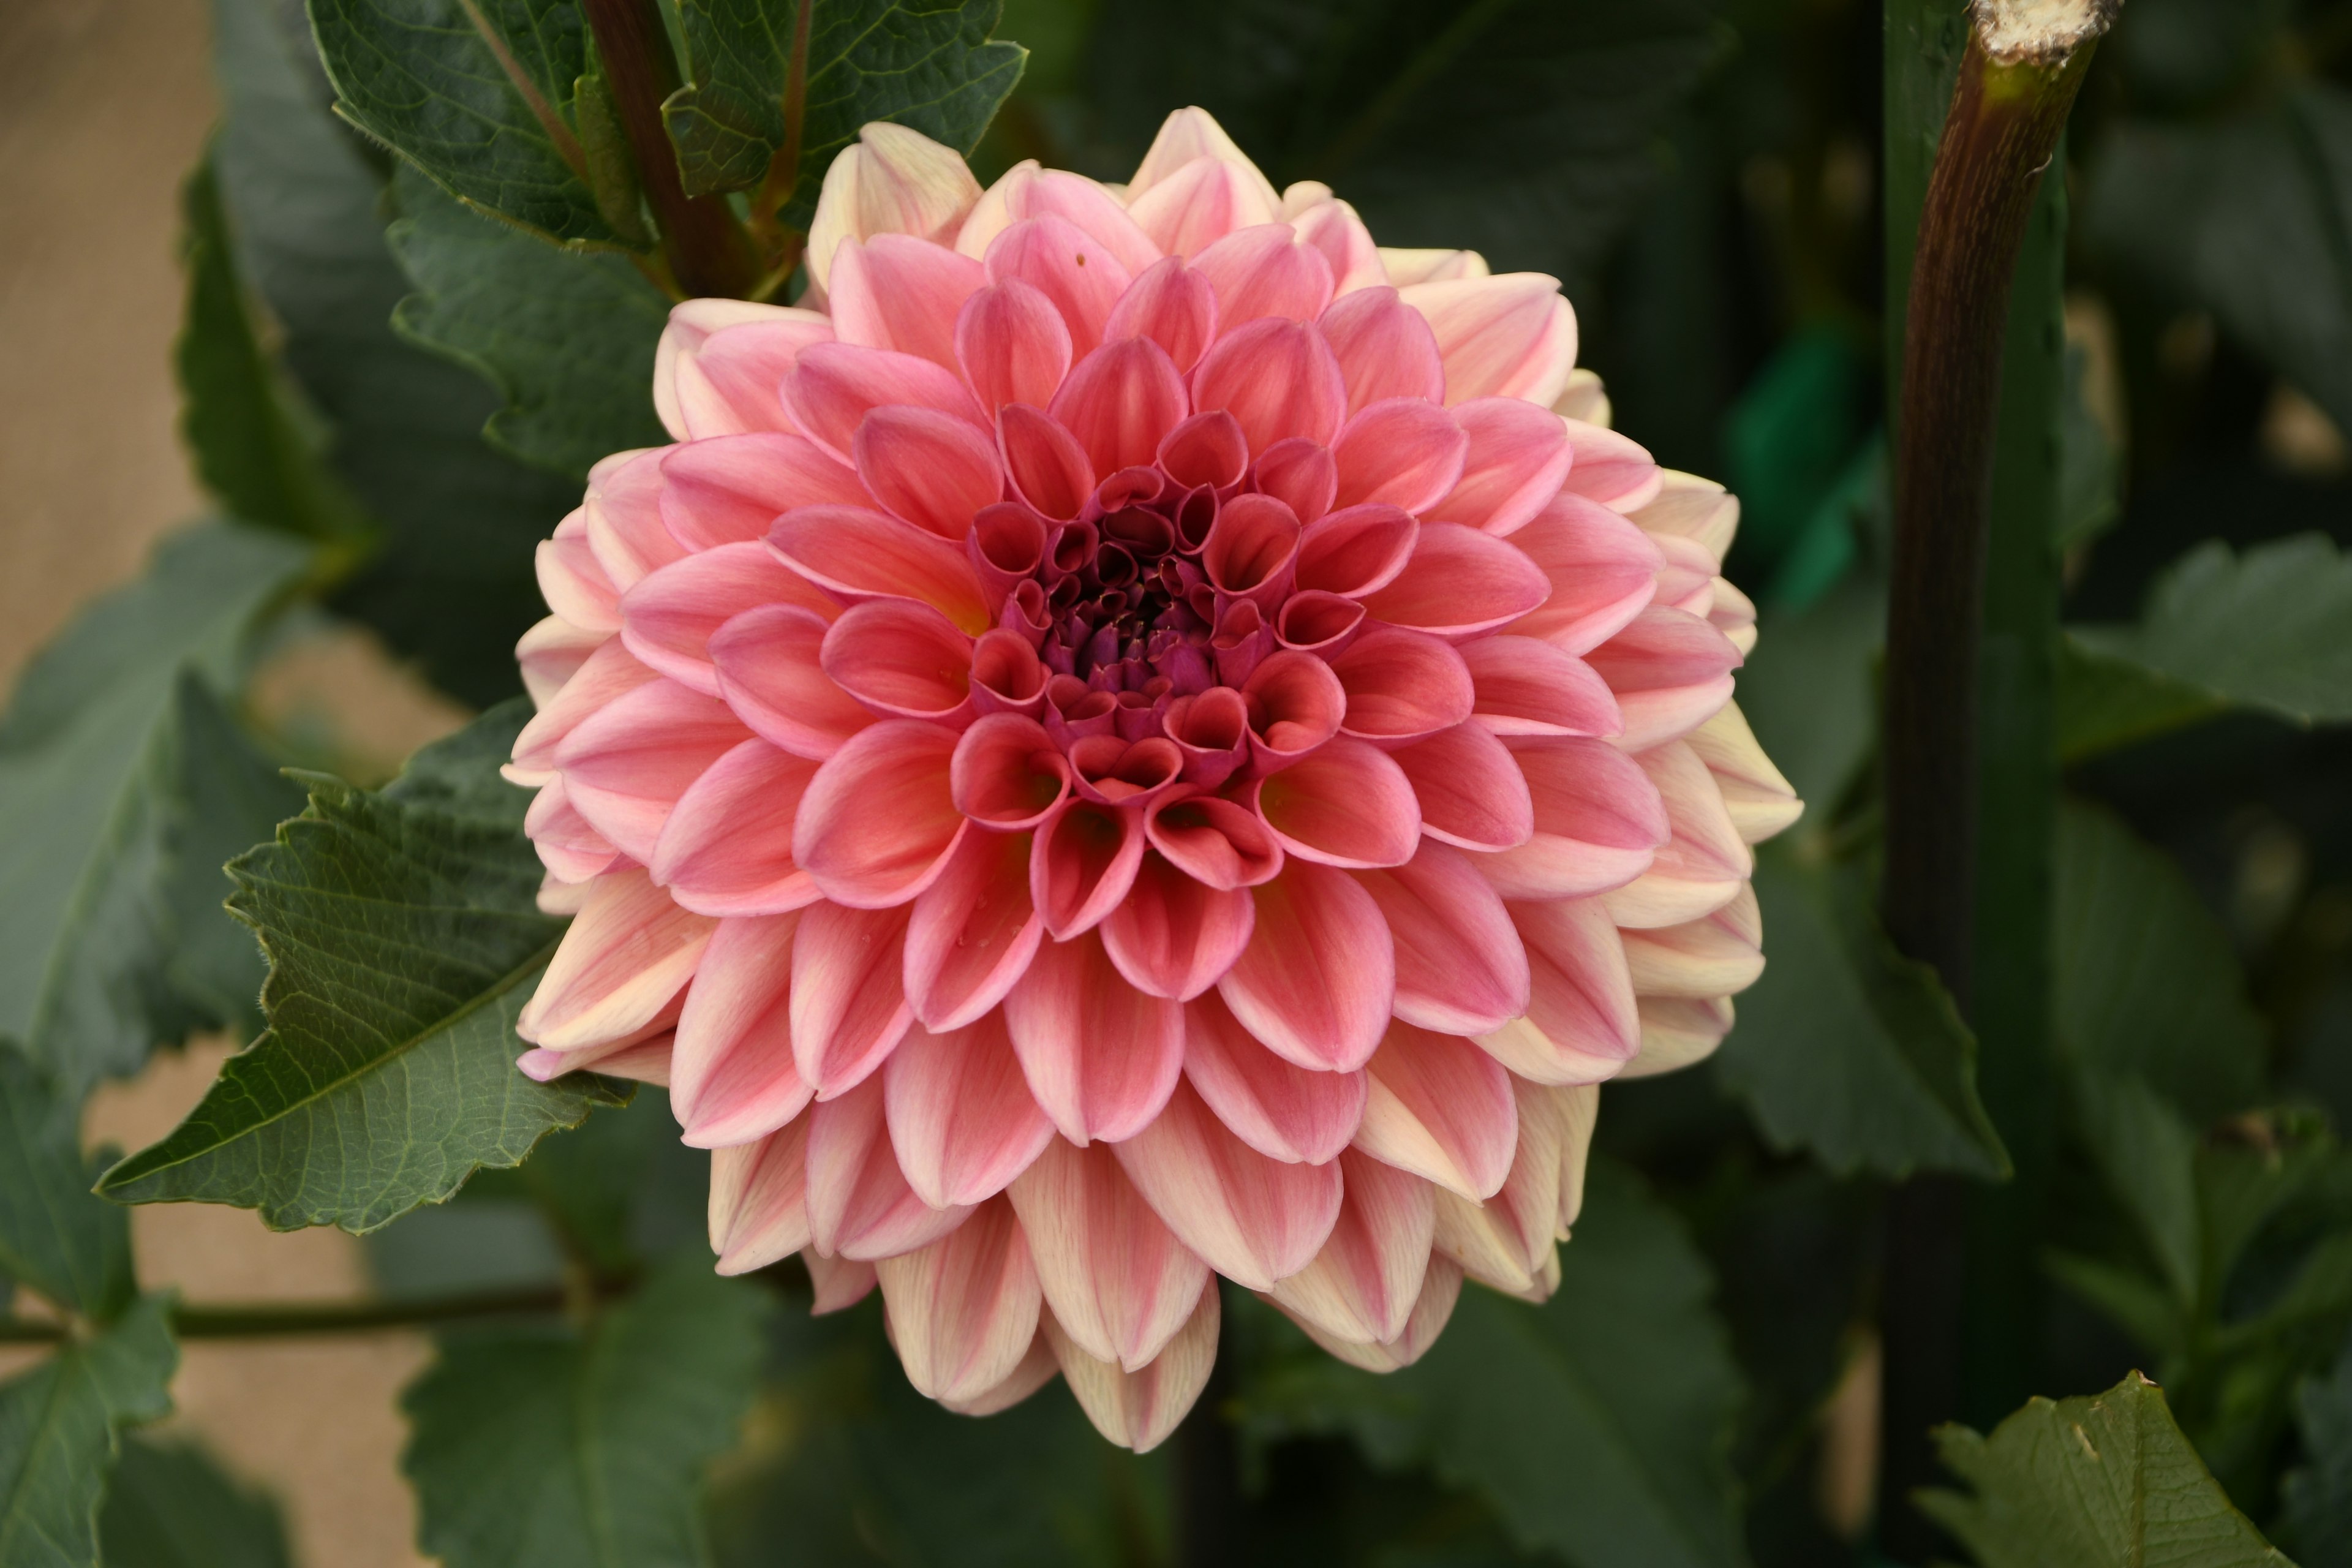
[
  {"x": 627, "y": 952},
  {"x": 1671, "y": 672},
  {"x": 1472, "y": 792},
  {"x": 862, "y": 555},
  {"x": 1603, "y": 570},
  {"x": 878, "y": 820},
  {"x": 1171, "y": 304},
  {"x": 627, "y": 764},
  {"x": 1078, "y": 273},
  {"x": 1199, "y": 204},
  {"x": 726, "y": 848},
  {"x": 891, "y": 180},
  {"x": 1460, "y": 582},
  {"x": 849, "y": 1002},
  {"x": 902, "y": 293},
  {"x": 1703, "y": 865},
  {"x": 1460, "y": 967},
  {"x": 841, "y": 1282},
  {"x": 1265, "y": 270},
  {"x": 1598, "y": 822},
  {"x": 1357, "y": 550},
  {"x": 1173, "y": 936},
  {"x": 1252, "y": 549},
  {"x": 1119, "y": 402},
  {"x": 973, "y": 933},
  {"x": 1442, "y": 1109},
  {"x": 731, "y": 1073},
  {"x": 641, "y": 1058},
  {"x": 1299, "y": 474},
  {"x": 1401, "y": 685},
  {"x": 1675, "y": 1032},
  {"x": 1714, "y": 956},
  {"x": 1333, "y": 228},
  {"x": 1518, "y": 456},
  {"x": 1206, "y": 450},
  {"x": 692, "y": 404},
  {"x": 1082, "y": 864},
  {"x": 932, "y": 469},
  {"x": 1345, "y": 804},
  {"x": 1285, "y": 1112},
  {"x": 1295, "y": 704},
  {"x": 1217, "y": 843},
  {"x": 1525, "y": 686},
  {"x": 1401, "y": 451},
  {"x": 960, "y": 1115},
  {"x": 1688, "y": 507},
  {"x": 859, "y": 1204},
  {"x": 1508, "y": 1241},
  {"x": 1045, "y": 461},
  {"x": 568, "y": 845},
  {"x": 834, "y": 386},
  {"x": 1277, "y": 378},
  {"x": 1251, "y": 1219},
  {"x": 1580, "y": 1026},
  {"x": 901, "y": 658},
  {"x": 770, "y": 672},
  {"x": 1026, "y": 191},
  {"x": 759, "y": 1200},
  {"x": 552, "y": 652},
  {"x": 605, "y": 675},
  {"x": 623, "y": 513},
  {"x": 1101, "y": 1056},
  {"x": 1138, "y": 1409},
  {"x": 1190, "y": 133},
  {"x": 1007, "y": 773},
  {"x": 1610, "y": 470},
  {"x": 1317, "y": 980},
  {"x": 1012, "y": 345},
  {"x": 1441, "y": 1287},
  {"x": 572, "y": 581},
  {"x": 964, "y": 1309},
  {"x": 731, "y": 490},
  {"x": 1363, "y": 1285},
  {"x": 671, "y": 614},
  {"x": 1760, "y": 800},
  {"x": 1036, "y": 1369},
  {"x": 1507, "y": 336},
  {"x": 1119, "y": 1283},
  {"x": 1385, "y": 349}
]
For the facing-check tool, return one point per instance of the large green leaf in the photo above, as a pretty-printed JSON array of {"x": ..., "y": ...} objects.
[
  {"x": 88, "y": 766},
  {"x": 450, "y": 583},
  {"x": 2262, "y": 630},
  {"x": 1847, "y": 1048},
  {"x": 2246, "y": 218},
  {"x": 1520, "y": 128},
  {"x": 55, "y": 1236},
  {"x": 2148, "y": 982},
  {"x": 404, "y": 939},
  {"x": 549, "y": 1448},
  {"x": 927, "y": 63},
  {"x": 60, "y": 1428},
  {"x": 568, "y": 339},
  {"x": 2104, "y": 1480},
  {"x": 2317, "y": 1516},
  {"x": 169, "y": 1506},
  {"x": 477, "y": 93}
]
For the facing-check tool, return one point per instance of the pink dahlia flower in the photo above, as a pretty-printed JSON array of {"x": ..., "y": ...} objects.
[{"x": 1135, "y": 735}]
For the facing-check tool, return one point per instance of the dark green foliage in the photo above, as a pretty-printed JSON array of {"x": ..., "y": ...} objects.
[
  {"x": 169, "y": 1506},
  {"x": 2317, "y": 1517},
  {"x": 73, "y": 1248},
  {"x": 60, "y": 1427}
]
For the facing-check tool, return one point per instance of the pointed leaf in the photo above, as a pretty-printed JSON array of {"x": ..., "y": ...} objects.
[
  {"x": 72, "y": 1247},
  {"x": 168, "y": 1505},
  {"x": 60, "y": 1428}
]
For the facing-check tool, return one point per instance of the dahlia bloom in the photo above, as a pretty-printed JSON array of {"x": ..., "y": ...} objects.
[{"x": 1135, "y": 735}]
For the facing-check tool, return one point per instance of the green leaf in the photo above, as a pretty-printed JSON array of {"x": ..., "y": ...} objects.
[
  {"x": 2245, "y": 217},
  {"x": 169, "y": 1506},
  {"x": 403, "y": 937},
  {"x": 54, "y": 1236},
  {"x": 89, "y": 759},
  {"x": 924, "y": 64},
  {"x": 568, "y": 340},
  {"x": 2147, "y": 1153},
  {"x": 2317, "y": 1517},
  {"x": 477, "y": 93},
  {"x": 1523, "y": 129},
  {"x": 258, "y": 445},
  {"x": 2262, "y": 630},
  {"x": 2090, "y": 470},
  {"x": 2149, "y": 981},
  {"x": 1809, "y": 692},
  {"x": 451, "y": 583},
  {"x": 2104, "y": 1480},
  {"x": 60, "y": 1427},
  {"x": 1847, "y": 1048},
  {"x": 544, "y": 1447}
]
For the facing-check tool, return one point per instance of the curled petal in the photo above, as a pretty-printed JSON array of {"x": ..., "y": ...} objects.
[
  {"x": 1007, "y": 773},
  {"x": 1401, "y": 685},
  {"x": 1083, "y": 863},
  {"x": 669, "y": 618},
  {"x": 1252, "y": 550},
  {"x": 961, "y": 1119},
  {"x": 1598, "y": 822},
  {"x": 628, "y": 951},
  {"x": 1173, "y": 936},
  {"x": 1171, "y": 304},
  {"x": 1315, "y": 983},
  {"x": 859, "y": 1204},
  {"x": 1460, "y": 582},
  {"x": 1506, "y": 336},
  {"x": 553, "y": 651},
  {"x": 1138, "y": 1409},
  {"x": 1299, "y": 474},
  {"x": 1364, "y": 1284},
  {"x": 861, "y": 555},
  {"x": 1045, "y": 461},
  {"x": 1207, "y": 450},
  {"x": 1357, "y": 550},
  {"x": 1277, "y": 378},
  {"x": 1332, "y": 228},
  {"x": 1671, "y": 673},
  {"x": 1580, "y": 1026},
  {"x": 1518, "y": 454},
  {"x": 1442, "y": 1109},
  {"x": 1101, "y": 1056},
  {"x": 574, "y": 583},
  {"x": 932, "y": 469},
  {"x": 727, "y": 849},
  {"x": 731, "y": 488},
  {"x": 963, "y": 1310},
  {"x": 1347, "y": 804},
  {"x": 891, "y": 180},
  {"x": 759, "y": 1200},
  {"x": 879, "y": 818},
  {"x": 848, "y": 1005},
  {"x": 973, "y": 933},
  {"x": 1508, "y": 1241},
  {"x": 900, "y": 657},
  {"x": 731, "y": 1073},
  {"x": 1120, "y": 402},
  {"x": 1472, "y": 793},
  {"x": 770, "y": 671},
  {"x": 1119, "y": 1283},
  {"x": 1251, "y": 1219},
  {"x": 1079, "y": 274},
  {"x": 1603, "y": 571},
  {"x": 1461, "y": 969},
  {"x": 1285, "y": 1112},
  {"x": 1523, "y": 686},
  {"x": 1295, "y": 704},
  {"x": 1402, "y": 451},
  {"x": 1013, "y": 345},
  {"x": 1385, "y": 349},
  {"x": 833, "y": 386},
  {"x": 1217, "y": 843}
]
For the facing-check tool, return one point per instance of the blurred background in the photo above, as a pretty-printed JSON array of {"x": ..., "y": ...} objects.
[{"x": 1721, "y": 237}]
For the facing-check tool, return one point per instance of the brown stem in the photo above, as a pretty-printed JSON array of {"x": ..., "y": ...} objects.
[
  {"x": 707, "y": 251},
  {"x": 2008, "y": 108},
  {"x": 784, "y": 168}
]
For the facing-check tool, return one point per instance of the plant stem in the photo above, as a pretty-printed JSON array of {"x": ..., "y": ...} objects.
[
  {"x": 707, "y": 248},
  {"x": 271, "y": 1320}
]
